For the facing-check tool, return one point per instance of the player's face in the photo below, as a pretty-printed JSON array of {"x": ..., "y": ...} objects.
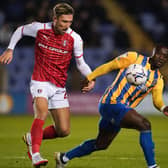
[
  {"x": 62, "y": 23},
  {"x": 159, "y": 58}
]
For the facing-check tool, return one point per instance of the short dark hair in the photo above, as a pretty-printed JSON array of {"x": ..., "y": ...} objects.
[
  {"x": 62, "y": 9},
  {"x": 162, "y": 48}
]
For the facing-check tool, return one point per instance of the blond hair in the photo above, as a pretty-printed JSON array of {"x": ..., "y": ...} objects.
[{"x": 62, "y": 9}]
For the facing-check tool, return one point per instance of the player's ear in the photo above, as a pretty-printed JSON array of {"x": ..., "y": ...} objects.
[{"x": 54, "y": 18}]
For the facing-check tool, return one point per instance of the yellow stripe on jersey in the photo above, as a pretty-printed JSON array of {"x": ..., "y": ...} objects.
[
  {"x": 132, "y": 87},
  {"x": 127, "y": 94},
  {"x": 138, "y": 100},
  {"x": 121, "y": 91},
  {"x": 148, "y": 84},
  {"x": 120, "y": 62},
  {"x": 108, "y": 89},
  {"x": 124, "y": 82},
  {"x": 118, "y": 90}
]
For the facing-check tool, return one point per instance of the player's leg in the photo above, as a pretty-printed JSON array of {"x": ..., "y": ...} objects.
[
  {"x": 60, "y": 112},
  {"x": 40, "y": 110},
  {"x": 61, "y": 118},
  {"x": 134, "y": 120},
  {"x": 102, "y": 141},
  {"x": 34, "y": 138},
  {"x": 61, "y": 126},
  {"x": 107, "y": 132}
]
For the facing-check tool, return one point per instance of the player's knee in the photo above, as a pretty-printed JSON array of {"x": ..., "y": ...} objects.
[
  {"x": 41, "y": 116},
  {"x": 102, "y": 146},
  {"x": 146, "y": 125},
  {"x": 64, "y": 132}
]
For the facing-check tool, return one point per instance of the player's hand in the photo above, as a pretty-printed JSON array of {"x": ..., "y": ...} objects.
[
  {"x": 6, "y": 57},
  {"x": 87, "y": 85},
  {"x": 165, "y": 111}
]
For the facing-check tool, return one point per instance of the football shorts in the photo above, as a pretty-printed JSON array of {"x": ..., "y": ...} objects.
[
  {"x": 112, "y": 115},
  {"x": 56, "y": 96}
]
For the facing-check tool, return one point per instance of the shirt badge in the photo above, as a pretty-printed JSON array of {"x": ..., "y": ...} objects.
[{"x": 39, "y": 90}]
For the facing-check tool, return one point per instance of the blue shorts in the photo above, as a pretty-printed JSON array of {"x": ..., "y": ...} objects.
[{"x": 111, "y": 115}]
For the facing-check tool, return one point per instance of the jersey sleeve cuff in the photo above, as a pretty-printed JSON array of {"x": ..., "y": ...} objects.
[{"x": 162, "y": 108}]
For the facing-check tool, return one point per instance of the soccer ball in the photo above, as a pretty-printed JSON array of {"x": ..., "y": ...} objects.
[{"x": 136, "y": 74}]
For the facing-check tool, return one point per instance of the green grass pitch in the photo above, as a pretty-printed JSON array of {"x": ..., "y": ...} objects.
[{"x": 124, "y": 152}]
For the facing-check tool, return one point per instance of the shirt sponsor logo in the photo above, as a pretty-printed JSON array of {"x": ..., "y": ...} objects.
[
  {"x": 45, "y": 37},
  {"x": 52, "y": 48}
]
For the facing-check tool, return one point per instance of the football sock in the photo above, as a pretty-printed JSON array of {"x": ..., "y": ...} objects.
[
  {"x": 36, "y": 134},
  {"x": 49, "y": 132},
  {"x": 148, "y": 147},
  {"x": 84, "y": 149}
]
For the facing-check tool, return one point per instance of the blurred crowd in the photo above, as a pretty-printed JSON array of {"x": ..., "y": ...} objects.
[
  {"x": 90, "y": 21},
  {"x": 152, "y": 16},
  {"x": 102, "y": 38}
]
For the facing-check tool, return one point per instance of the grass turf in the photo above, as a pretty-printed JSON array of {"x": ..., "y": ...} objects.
[{"x": 125, "y": 151}]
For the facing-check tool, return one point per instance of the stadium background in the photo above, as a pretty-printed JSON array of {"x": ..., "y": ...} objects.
[{"x": 108, "y": 29}]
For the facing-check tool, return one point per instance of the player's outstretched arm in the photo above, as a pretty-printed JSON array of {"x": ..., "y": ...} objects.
[{"x": 6, "y": 57}]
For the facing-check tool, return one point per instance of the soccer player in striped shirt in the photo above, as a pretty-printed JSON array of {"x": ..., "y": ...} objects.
[
  {"x": 117, "y": 104},
  {"x": 55, "y": 44}
]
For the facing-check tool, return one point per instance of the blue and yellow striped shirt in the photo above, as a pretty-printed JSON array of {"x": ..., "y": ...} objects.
[{"x": 120, "y": 91}]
